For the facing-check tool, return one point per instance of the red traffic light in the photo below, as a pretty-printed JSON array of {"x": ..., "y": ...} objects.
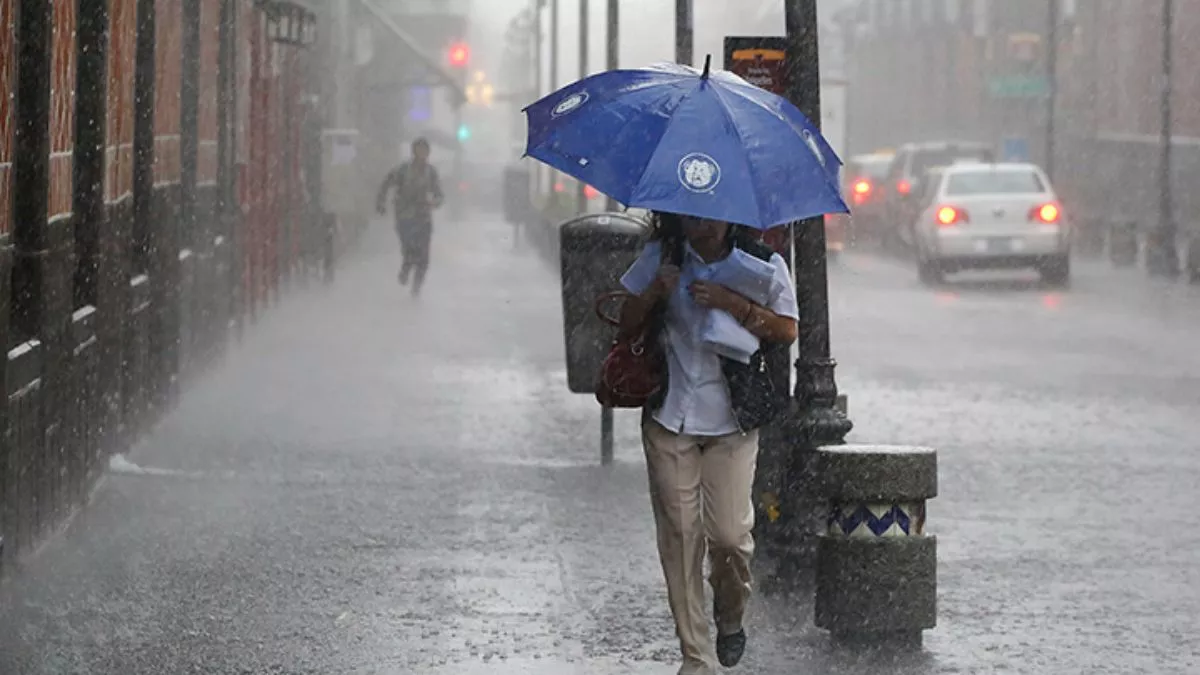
[{"x": 460, "y": 54}]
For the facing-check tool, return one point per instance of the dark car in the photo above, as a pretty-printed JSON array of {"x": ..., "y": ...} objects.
[
  {"x": 863, "y": 188},
  {"x": 902, "y": 183}
]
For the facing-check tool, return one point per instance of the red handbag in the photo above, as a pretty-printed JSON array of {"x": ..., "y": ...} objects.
[{"x": 635, "y": 368}]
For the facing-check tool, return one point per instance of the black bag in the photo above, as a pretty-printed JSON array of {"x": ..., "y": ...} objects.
[{"x": 752, "y": 391}]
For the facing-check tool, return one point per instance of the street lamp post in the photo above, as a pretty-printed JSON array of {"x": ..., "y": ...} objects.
[
  {"x": 612, "y": 61},
  {"x": 536, "y": 27},
  {"x": 581, "y": 194},
  {"x": 683, "y": 32},
  {"x": 815, "y": 419},
  {"x": 553, "y": 84},
  {"x": 1052, "y": 82},
  {"x": 1164, "y": 260}
]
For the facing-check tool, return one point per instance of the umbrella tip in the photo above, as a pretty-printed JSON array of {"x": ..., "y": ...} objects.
[{"x": 707, "y": 66}]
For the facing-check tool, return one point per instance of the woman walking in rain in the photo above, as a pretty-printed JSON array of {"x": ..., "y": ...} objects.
[
  {"x": 700, "y": 435},
  {"x": 712, "y": 157}
]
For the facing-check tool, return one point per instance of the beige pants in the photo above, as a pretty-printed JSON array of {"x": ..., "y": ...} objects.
[{"x": 700, "y": 489}]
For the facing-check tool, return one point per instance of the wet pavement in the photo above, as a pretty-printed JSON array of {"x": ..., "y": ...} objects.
[{"x": 373, "y": 484}]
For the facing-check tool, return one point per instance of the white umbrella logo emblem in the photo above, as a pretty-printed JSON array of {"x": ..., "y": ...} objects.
[
  {"x": 699, "y": 173},
  {"x": 570, "y": 103}
]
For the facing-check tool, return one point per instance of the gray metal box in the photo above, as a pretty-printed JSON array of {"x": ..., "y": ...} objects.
[{"x": 596, "y": 249}]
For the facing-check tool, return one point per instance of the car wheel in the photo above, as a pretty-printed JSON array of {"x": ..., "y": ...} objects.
[
  {"x": 930, "y": 272},
  {"x": 1056, "y": 271}
]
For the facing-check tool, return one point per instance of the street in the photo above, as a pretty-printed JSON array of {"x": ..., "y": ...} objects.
[{"x": 375, "y": 484}]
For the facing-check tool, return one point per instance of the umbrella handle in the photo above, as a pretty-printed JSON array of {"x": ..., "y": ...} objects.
[{"x": 604, "y": 299}]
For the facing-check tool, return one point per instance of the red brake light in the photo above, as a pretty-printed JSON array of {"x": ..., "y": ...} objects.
[
  {"x": 590, "y": 192},
  {"x": 862, "y": 187},
  {"x": 948, "y": 215},
  {"x": 1046, "y": 213},
  {"x": 904, "y": 187}
]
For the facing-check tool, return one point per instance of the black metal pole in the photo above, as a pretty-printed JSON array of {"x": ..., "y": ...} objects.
[
  {"x": 536, "y": 26},
  {"x": 91, "y": 59},
  {"x": 613, "y": 58},
  {"x": 610, "y": 204},
  {"x": 553, "y": 83},
  {"x": 683, "y": 32},
  {"x": 1165, "y": 261},
  {"x": 1052, "y": 82},
  {"x": 581, "y": 191},
  {"x": 816, "y": 420}
]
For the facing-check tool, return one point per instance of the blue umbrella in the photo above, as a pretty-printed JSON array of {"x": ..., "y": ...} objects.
[{"x": 673, "y": 138}]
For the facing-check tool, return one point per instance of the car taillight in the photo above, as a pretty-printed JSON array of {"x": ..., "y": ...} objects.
[
  {"x": 949, "y": 215},
  {"x": 862, "y": 187},
  {"x": 590, "y": 192},
  {"x": 1046, "y": 213},
  {"x": 904, "y": 187}
]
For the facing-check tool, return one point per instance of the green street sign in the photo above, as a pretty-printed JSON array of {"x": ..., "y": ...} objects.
[{"x": 1019, "y": 86}]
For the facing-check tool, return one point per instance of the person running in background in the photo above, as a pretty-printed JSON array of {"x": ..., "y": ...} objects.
[{"x": 418, "y": 193}]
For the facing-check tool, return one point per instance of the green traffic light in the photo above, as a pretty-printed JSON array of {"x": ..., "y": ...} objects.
[{"x": 464, "y": 132}]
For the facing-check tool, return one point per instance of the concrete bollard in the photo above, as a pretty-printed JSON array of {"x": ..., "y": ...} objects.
[{"x": 876, "y": 569}]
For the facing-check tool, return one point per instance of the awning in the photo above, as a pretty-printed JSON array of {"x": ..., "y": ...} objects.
[{"x": 445, "y": 77}]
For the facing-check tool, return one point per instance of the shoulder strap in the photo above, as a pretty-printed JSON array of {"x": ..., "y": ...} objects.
[
  {"x": 753, "y": 246},
  {"x": 672, "y": 251}
]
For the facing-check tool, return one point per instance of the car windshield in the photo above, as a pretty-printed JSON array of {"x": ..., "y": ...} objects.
[
  {"x": 994, "y": 182},
  {"x": 928, "y": 159},
  {"x": 875, "y": 168}
]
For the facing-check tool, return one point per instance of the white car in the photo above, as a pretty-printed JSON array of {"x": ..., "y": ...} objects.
[{"x": 974, "y": 215}]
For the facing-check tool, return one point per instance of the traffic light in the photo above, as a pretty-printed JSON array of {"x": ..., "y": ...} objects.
[
  {"x": 464, "y": 133},
  {"x": 460, "y": 55}
]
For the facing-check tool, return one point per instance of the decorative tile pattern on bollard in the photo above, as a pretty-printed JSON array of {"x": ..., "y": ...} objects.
[{"x": 876, "y": 568}]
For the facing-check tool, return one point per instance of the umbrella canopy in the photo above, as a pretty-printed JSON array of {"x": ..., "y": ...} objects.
[{"x": 702, "y": 143}]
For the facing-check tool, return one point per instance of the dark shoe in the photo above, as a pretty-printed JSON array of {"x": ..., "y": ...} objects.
[{"x": 731, "y": 647}]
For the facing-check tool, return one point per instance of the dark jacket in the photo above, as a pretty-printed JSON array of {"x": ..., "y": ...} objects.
[
  {"x": 412, "y": 191},
  {"x": 752, "y": 391}
]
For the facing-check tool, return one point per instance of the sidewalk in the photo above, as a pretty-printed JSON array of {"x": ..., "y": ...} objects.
[{"x": 369, "y": 484}]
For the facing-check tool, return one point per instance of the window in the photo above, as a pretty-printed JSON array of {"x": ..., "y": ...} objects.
[
  {"x": 931, "y": 182},
  {"x": 966, "y": 183},
  {"x": 875, "y": 169},
  {"x": 928, "y": 159}
]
